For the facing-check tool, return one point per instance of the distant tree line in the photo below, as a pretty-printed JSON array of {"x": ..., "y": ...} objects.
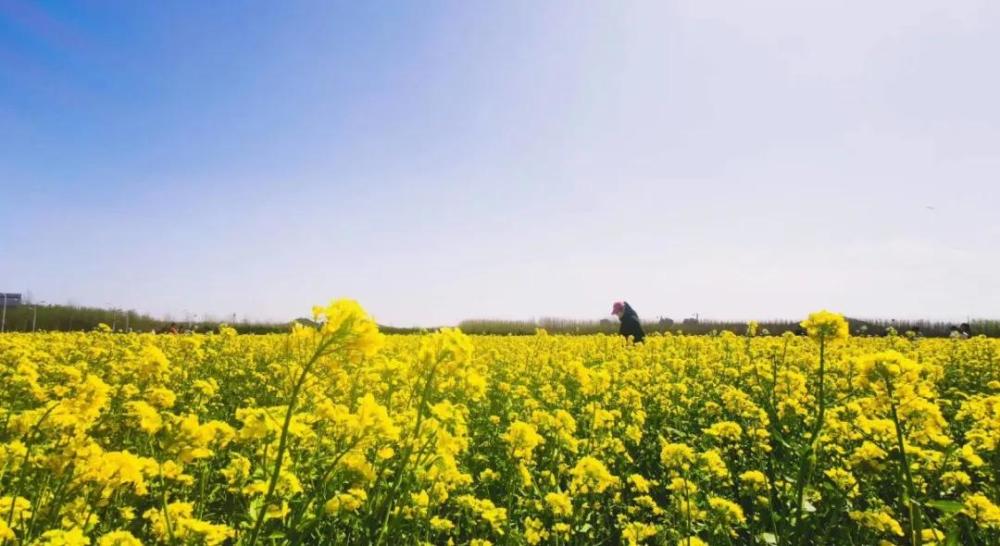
[
  {"x": 23, "y": 318},
  {"x": 691, "y": 326},
  {"x": 66, "y": 318}
]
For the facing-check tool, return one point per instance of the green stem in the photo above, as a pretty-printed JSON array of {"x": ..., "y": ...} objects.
[
  {"x": 822, "y": 388},
  {"x": 283, "y": 441},
  {"x": 805, "y": 458},
  {"x": 321, "y": 487},
  {"x": 687, "y": 509},
  {"x": 201, "y": 491},
  {"x": 406, "y": 454},
  {"x": 29, "y": 439},
  {"x": 908, "y": 500}
]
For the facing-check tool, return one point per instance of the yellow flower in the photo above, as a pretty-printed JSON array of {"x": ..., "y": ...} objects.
[
  {"x": 682, "y": 486},
  {"x": 372, "y": 419},
  {"x": 931, "y": 536},
  {"x": 868, "y": 455},
  {"x": 969, "y": 455},
  {"x": 152, "y": 363},
  {"x": 420, "y": 500},
  {"x": 441, "y": 524},
  {"x": 635, "y": 533},
  {"x": 560, "y": 504},
  {"x": 238, "y": 470},
  {"x": 350, "y": 501},
  {"x": 127, "y": 513},
  {"x": 161, "y": 397},
  {"x": 184, "y": 526},
  {"x": 843, "y": 478},
  {"x": 754, "y": 479},
  {"x": 728, "y": 511},
  {"x": 677, "y": 457},
  {"x": 522, "y": 439},
  {"x": 640, "y": 483},
  {"x": 79, "y": 412},
  {"x": 114, "y": 469},
  {"x": 824, "y": 325},
  {"x": 12, "y": 454},
  {"x": 118, "y": 538},
  {"x": 206, "y": 387},
  {"x": 879, "y": 521},
  {"x": 350, "y": 325},
  {"x": 981, "y": 510},
  {"x": 72, "y": 537},
  {"x": 725, "y": 430},
  {"x": 591, "y": 476},
  {"x": 886, "y": 365},
  {"x": 148, "y": 418},
  {"x": 485, "y": 508},
  {"x": 534, "y": 531},
  {"x": 714, "y": 463},
  {"x": 6, "y": 533},
  {"x": 16, "y": 508},
  {"x": 258, "y": 423},
  {"x": 956, "y": 479}
]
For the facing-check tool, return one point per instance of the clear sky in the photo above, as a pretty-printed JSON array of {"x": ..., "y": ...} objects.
[{"x": 448, "y": 160}]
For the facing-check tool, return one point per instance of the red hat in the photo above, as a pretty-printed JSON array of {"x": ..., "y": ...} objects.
[{"x": 618, "y": 307}]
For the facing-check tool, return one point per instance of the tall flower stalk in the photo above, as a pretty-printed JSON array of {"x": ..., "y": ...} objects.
[
  {"x": 908, "y": 499},
  {"x": 895, "y": 382},
  {"x": 346, "y": 331},
  {"x": 824, "y": 327}
]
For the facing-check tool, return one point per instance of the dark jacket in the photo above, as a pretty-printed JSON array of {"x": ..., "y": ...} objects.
[{"x": 630, "y": 324}]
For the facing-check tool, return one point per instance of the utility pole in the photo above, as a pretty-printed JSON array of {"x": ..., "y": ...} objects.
[
  {"x": 3, "y": 317},
  {"x": 34, "y": 314}
]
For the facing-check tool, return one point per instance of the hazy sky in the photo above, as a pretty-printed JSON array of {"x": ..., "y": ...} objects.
[{"x": 447, "y": 160}]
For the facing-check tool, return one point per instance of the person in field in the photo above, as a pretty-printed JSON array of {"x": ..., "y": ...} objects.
[
  {"x": 630, "y": 326},
  {"x": 965, "y": 330}
]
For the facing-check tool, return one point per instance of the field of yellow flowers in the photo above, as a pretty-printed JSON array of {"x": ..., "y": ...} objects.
[{"x": 340, "y": 435}]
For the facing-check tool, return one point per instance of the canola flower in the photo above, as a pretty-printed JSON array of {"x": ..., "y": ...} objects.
[{"x": 338, "y": 434}]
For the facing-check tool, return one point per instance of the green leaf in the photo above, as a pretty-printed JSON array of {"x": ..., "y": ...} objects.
[
  {"x": 769, "y": 538},
  {"x": 946, "y": 506},
  {"x": 677, "y": 432},
  {"x": 952, "y": 538}
]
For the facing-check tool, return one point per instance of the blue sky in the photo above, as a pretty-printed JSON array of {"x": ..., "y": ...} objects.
[{"x": 447, "y": 160}]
